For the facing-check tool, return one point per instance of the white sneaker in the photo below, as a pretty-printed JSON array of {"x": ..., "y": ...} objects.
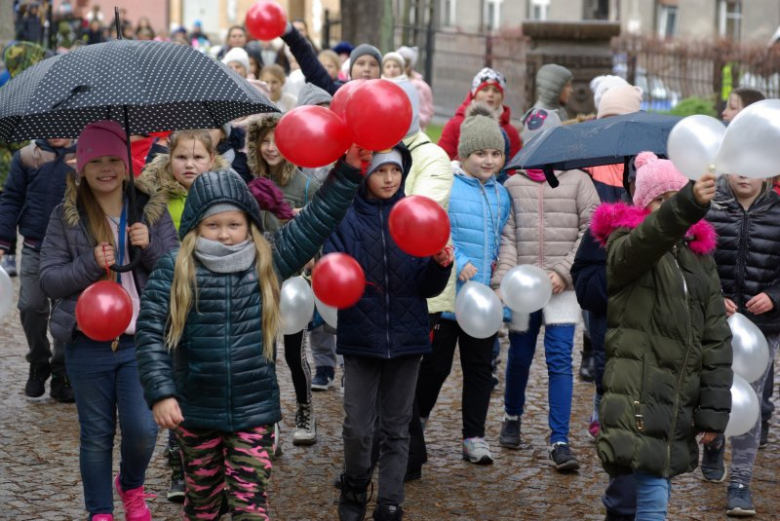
[
  {"x": 276, "y": 448},
  {"x": 477, "y": 450},
  {"x": 305, "y": 432}
]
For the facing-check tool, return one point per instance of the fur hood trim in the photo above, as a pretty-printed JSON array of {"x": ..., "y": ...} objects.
[
  {"x": 154, "y": 209},
  {"x": 158, "y": 174},
  {"x": 257, "y": 164}
]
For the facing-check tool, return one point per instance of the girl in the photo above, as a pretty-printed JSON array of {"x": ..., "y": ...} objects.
[
  {"x": 207, "y": 328},
  {"x": 479, "y": 208},
  {"x": 330, "y": 61},
  {"x": 668, "y": 369},
  {"x": 236, "y": 37},
  {"x": 87, "y": 233},
  {"x": 393, "y": 67},
  {"x": 545, "y": 230},
  {"x": 273, "y": 76},
  {"x": 265, "y": 161},
  {"x": 746, "y": 216},
  {"x": 381, "y": 338}
]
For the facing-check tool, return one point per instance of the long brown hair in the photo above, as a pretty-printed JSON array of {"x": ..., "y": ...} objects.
[
  {"x": 97, "y": 223},
  {"x": 280, "y": 174}
]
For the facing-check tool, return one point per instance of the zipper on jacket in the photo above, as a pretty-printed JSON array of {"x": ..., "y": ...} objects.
[
  {"x": 741, "y": 260},
  {"x": 689, "y": 324},
  {"x": 387, "y": 278},
  {"x": 541, "y": 226},
  {"x": 485, "y": 261},
  {"x": 228, "y": 370}
]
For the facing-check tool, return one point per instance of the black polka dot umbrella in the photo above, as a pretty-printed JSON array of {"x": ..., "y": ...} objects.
[
  {"x": 144, "y": 86},
  {"x": 157, "y": 86}
]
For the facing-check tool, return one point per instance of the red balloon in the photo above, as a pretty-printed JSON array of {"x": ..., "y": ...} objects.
[
  {"x": 419, "y": 226},
  {"x": 378, "y": 114},
  {"x": 312, "y": 136},
  {"x": 266, "y": 20},
  {"x": 338, "y": 280},
  {"x": 339, "y": 102},
  {"x": 104, "y": 310}
]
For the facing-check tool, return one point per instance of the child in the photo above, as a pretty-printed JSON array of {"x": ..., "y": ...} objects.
[
  {"x": 36, "y": 185},
  {"x": 273, "y": 76},
  {"x": 87, "y": 233},
  {"x": 381, "y": 338},
  {"x": 265, "y": 161},
  {"x": 668, "y": 371},
  {"x": 238, "y": 60},
  {"x": 746, "y": 217},
  {"x": 207, "y": 328},
  {"x": 544, "y": 230},
  {"x": 553, "y": 90},
  {"x": 479, "y": 208},
  {"x": 393, "y": 66}
]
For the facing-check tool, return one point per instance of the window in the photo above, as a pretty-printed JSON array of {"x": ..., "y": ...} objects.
[
  {"x": 539, "y": 10},
  {"x": 493, "y": 14},
  {"x": 729, "y": 19},
  {"x": 667, "y": 21},
  {"x": 596, "y": 10},
  {"x": 449, "y": 13}
]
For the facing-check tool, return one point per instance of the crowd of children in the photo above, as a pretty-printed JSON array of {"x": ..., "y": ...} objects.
[{"x": 225, "y": 219}]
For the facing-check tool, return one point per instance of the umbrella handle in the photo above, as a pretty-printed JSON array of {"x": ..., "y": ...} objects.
[
  {"x": 135, "y": 258},
  {"x": 132, "y": 214}
]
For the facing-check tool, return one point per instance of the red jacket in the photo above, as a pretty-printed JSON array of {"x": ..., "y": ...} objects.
[{"x": 451, "y": 133}]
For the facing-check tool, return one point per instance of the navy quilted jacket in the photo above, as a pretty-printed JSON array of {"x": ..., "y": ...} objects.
[{"x": 391, "y": 319}]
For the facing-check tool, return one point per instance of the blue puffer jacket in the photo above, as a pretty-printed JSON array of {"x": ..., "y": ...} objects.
[
  {"x": 478, "y": 214},
  {"x": 391, "y": 319},
  {"x": 35, "y": 186},
  {"x": 218, "y": 373}
]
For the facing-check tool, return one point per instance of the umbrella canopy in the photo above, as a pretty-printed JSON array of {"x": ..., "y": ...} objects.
[
  {"x": 598, "y": 142},
  {"x": 143, "y": 85}
]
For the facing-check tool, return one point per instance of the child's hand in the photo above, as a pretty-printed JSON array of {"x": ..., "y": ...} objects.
[
  {"x": 704, "y": 189},
  {"x": 445, "y": 256},
  {"x": 760, "y": 304},
  {"x": 167, "y": 413},
  {"x": 358, "y": 158},
  {"x": 558, "y": 284},
  {"x": 467, "y": 273},
  {"x": 707, "y": 437},
  {"x": 104, "y": 255},
  {"x": 139, "y": 235},
  {"x": 731, "y": 308}
]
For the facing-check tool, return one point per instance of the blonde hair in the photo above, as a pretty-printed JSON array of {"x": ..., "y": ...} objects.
[
  {"x": 274, "y": 70},
  {"x": 328, "y": 55},
  {"x": 185, "y": 283}
]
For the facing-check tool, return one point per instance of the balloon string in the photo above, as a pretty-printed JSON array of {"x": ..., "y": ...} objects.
[
  {"x": 374, "y": 284},
  {"x": 108, "y": 272}
]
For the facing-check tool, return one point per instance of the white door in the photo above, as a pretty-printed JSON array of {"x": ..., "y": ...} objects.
[{"x": 207, "y": 11}]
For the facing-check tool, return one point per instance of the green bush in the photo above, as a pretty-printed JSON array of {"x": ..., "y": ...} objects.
[{"x": 692, "y": 106}]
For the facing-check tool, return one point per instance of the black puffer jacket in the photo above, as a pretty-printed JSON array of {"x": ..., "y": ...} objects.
[
  {"x": 218, "y": 373},
  {"x": 748, "y": 251}
]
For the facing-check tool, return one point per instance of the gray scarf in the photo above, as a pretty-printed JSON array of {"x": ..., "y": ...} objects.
[{"x": 220, "y": 258}]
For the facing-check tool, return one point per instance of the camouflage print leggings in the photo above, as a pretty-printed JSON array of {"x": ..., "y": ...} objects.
[{"x": 237, "y": 461}]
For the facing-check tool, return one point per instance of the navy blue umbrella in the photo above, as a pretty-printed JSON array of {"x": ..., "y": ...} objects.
[{"x": 597, "y": 142}]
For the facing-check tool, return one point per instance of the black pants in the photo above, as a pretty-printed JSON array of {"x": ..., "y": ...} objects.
[
  {"x": 295, "y": 356},
  {"x": 476, "y": 356}
]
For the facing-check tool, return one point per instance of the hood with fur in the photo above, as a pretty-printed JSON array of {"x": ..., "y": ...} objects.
[
  {"x": 701, "y": 237},
  {"x": 256, "y": 163},
  {"x": 157, "y": 174}
]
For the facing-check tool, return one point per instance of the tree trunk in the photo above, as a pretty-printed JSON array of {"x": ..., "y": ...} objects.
[
  {"x": 7, "y": 32},
  {"x": 368, "y": 21}
]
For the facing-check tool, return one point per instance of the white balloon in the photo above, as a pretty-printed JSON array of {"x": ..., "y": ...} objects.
[
  {"x": 478, "y": 310},
  {"x": 6, "y": 293},
  {"x": 526, "y": 288},
  {"x": 693, "y": 145},
  {"x": 745, "y": 409},
  {"x": 328, "y": 313},
  {"x": 749, "y": 347},
  {"x": 750, "y": 145},
  {"x": 296, "y": 305}
]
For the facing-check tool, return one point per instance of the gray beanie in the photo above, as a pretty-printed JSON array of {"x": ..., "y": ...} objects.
[
  {"x": 550, "y": 81},
  {"x": 479, "y": 131},
  {"x": 310, "y": 94},
  {"x": 219, "y": 208},
  {"x": 362, "y": 50},
  {"x": 391, "y": 156},
  {"x": 414, "y": 99}
]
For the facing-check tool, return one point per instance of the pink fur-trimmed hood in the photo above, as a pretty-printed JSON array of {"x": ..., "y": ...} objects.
[{"x": 607, "y": 218}]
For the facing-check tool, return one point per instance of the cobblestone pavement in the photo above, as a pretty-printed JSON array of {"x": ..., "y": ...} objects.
[{"x": 39, "y": 476}]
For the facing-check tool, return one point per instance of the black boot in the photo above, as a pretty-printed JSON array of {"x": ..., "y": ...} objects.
[
  {"x": 353, "y": 499},
  {"x": 61, "y": 389},
  {"x": 588, "y": 365},
  {"x": 36, "y": 381},
  {"x": 388, "y": 513}
]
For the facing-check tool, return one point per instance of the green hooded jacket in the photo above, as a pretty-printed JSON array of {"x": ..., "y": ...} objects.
[{"x": 668, "y": 373}]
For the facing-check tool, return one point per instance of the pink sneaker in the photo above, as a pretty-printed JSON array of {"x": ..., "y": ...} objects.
[
  {"x": 103, "y": 517},
  {"x": 134, "y": 501},
  {"x": 593, "y": 430}
]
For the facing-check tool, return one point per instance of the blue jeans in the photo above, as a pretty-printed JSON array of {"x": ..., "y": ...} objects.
[
  {"x": 104, "y": 383},
  {"x": 652, "y": 497},
  {"x": 558, "y": 344}
]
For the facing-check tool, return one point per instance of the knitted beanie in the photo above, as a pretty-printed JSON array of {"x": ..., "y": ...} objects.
[
  {"x": 479, "y": 131},
  {"x": 485, "y": 77},
  {"x": 410, "y": 54},
  {"x": 102, "y": 138},
  {"x": 394, "y": 56},
  {"x": 619, "y": 100},
  {"x": 219, "y": 208},
  {"x": 237, "y": 54},
  {"x": 385, "y": 157},
  {"x": 536, "y": 120},
  {"x": 310, "y": 94},
  {"x": 414, "y": 99},
  {"x": 655, "y": 177},
  {"x": 362, "y": 50},
  {"x": 600, "y": 84}
]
